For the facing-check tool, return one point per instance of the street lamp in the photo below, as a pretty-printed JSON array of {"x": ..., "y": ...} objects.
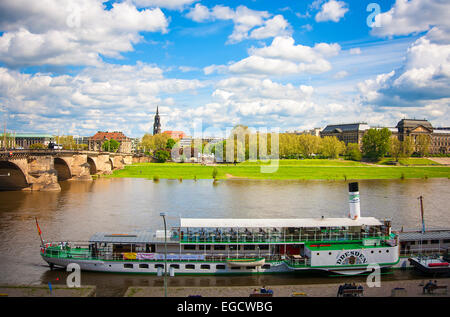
[{"x": 163, "y": 215}]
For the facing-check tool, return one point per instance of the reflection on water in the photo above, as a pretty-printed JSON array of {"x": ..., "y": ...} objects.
[{"x": 83, "y": 208}]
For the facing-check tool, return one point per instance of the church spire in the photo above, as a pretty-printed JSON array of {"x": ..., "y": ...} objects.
[{"x": 157, "y": 123}]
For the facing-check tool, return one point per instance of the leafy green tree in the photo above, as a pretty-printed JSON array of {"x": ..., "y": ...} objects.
[
  {"x": 170, "y": 143},
  {"x": 308, "y": 144},
  {"x": 67, "y": 142},
  {"x": 423, "y": 144},
  {"x": 352, "y": 152},
  {"x": 162, "y": 156},
  {"x": 331, "y": 147},
  {"x": 37, "y": 146},
  {"x": 155, "y": 142},
  {"x": 375, "y": 143},
  {"x": 110, "y": 145},
  {"x": 395, "y": 148},
  {"x": 408, "y": 146}
]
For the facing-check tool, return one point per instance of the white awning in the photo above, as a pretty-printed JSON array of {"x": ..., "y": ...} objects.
[{"x": 276, "y": 223}]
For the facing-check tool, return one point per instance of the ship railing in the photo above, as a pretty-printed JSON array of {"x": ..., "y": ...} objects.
[
  {"x": 279, "y": 238},
  {"x": 107, "y": 255},
  {"x": 423, "y": 251}
]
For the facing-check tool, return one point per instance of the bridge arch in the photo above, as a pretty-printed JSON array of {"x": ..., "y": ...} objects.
[
  {"x": 63, "y": 169},
  {"x": 92, "y": 165},
  {"x": 11, "y": 176}
]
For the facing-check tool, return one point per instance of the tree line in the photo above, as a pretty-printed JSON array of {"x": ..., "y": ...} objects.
[{"x": 375, "y": 144}]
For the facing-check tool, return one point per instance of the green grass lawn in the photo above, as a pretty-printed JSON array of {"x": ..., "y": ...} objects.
[{"x": 287, "y": 169}]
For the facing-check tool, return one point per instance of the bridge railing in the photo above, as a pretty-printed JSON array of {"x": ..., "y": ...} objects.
[{"x": 25, "y": 152}]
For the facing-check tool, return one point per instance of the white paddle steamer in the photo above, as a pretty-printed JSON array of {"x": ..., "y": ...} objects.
[{"x": 350, "y": 246}]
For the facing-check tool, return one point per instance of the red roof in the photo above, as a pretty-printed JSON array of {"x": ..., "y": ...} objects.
[
  {"x": 176, "y": 134},
  {"x": 118, "y": 136}
]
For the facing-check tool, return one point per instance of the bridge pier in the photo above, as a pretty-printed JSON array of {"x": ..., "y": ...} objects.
[{"x": 42, "y": 175}]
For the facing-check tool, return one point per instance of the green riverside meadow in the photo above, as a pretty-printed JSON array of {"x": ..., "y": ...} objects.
[{"x": 307, "y": 169}]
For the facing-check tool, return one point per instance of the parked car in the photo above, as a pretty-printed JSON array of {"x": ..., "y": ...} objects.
[{"x": 54, "y": 146}]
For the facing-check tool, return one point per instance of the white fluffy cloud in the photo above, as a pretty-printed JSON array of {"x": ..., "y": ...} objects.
[
  {"x": 424, "y": 77},
  {"x": 283, "y": 57},
  {"x": 247, "y": 23},
  {"x": 406, "y": 17},
  {"x": 103, "y": 97},
  {"x": 332, "y": 11},
  {"x": 423, "y": 81},
  {"x": 259, "y": 97},
  {"x": 73, "y": 32}
]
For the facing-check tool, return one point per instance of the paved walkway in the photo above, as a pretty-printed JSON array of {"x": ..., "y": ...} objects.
[
  {"x": 409, "y": 288},
  {"x": 44, "y": 291},
  {"x": 440, "y": 160}
]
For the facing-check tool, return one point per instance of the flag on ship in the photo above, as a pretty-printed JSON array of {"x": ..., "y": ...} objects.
[{"x": 39, "y": 231}]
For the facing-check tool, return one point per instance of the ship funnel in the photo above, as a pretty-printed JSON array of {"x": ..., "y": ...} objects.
[{"x": 353, "y": 200}]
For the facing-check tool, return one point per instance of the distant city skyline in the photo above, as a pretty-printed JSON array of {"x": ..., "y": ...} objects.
[{"x": 75, "y": 68}]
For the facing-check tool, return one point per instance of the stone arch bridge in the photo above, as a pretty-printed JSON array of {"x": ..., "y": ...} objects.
[{"x": 43, "y": 169}]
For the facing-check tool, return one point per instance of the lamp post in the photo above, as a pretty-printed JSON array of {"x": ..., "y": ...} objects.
[{"x": 163, "y": 215}]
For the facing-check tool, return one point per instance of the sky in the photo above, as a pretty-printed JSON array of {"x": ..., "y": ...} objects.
[{"x": 75, "y": 67}]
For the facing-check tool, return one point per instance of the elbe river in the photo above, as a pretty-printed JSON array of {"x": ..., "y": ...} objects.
[{"x": 121, "y": 205}]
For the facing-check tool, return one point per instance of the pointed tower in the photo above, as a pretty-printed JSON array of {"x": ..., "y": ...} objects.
[{"x": 157, "y": 123}]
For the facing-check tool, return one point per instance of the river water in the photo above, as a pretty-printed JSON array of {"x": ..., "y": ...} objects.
[{"x": 120, "y": 205}]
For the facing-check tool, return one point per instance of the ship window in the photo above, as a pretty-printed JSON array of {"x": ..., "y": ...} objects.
[
  {"x": 379, "y": 251},
  {"x": 387, "y": 251},
  {"x": 413, "y": 243},
  {"x": 220, "y": 267},
  {"x": 205, "y": 266},
  {"x": 235, "y": 267},
  {"x": 434, "y": 241},
  {"x": 425, "y": 242},
  {"x": 249, "y": 247},
  {"x": 234, "y": 247},
  {"x": 446, "y": 240},
  {"x": 206, "y": 247},
  {"x": 251, "y": 267},
  {"x": 264, "y": 247},
  {"x": 128, "y": 265},
  {"x": 329, "y": 253},
  {"x": 143, "y": 266},
  {"x": 266, "y": 266},
  {"x": 159, "y": 266},
  {"x": 175, "y": 266},
  {"x": 318, "y": 253},
  {"x": 189, "y": 247},
  {"x": 371, "y": 251},
  {"x": 190, "y": 267},
  {"x": 219, "y": 247}
]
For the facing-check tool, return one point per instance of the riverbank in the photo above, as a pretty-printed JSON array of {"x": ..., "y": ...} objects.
[
  {"x": 44, "y": 291},
  {"x": 314, "y": 169},
  {"x": 405, "y": 288}
]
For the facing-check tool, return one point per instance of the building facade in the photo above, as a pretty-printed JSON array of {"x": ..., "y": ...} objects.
[
  {"x": 24, "y": 140},
  {"x": 96, "y": 141},
  {"x": 349, "y": 133},
  {"x": 439, "y": 137},
  {"x": 354, "y": 132}
]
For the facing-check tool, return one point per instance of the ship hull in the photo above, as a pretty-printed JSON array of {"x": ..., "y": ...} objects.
[{"x": 194, "y": 268}]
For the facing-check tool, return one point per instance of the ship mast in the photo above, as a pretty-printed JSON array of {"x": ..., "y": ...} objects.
[{"x": 423, "y": 221}]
